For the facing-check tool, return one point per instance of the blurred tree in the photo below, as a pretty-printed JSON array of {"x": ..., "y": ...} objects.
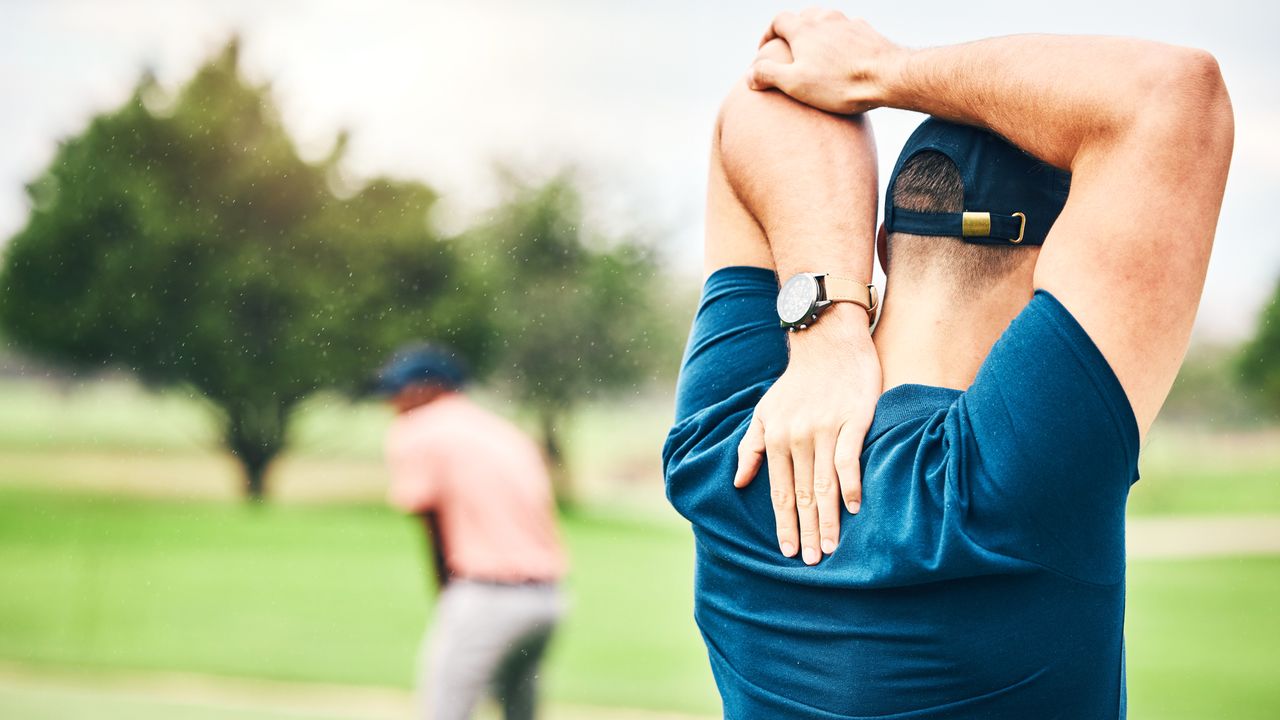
[
  {"x": 577, "y": 316},
  {"x": 1208, "y": 390},
  {"x": 1260, "y": 359},
  {"x": 185, "y": 239}
]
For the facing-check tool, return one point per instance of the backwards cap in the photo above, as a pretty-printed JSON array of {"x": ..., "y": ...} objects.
[{"x": 1010, "y": 197}]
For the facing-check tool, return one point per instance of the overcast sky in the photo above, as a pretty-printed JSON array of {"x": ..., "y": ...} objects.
[{"x": 627, "y": 92}]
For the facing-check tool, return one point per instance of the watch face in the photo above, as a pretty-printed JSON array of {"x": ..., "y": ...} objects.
[{"x": 797, "y": 298}]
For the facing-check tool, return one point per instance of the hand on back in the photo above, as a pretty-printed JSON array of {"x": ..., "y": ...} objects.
[{"x": 809, "y": 428}]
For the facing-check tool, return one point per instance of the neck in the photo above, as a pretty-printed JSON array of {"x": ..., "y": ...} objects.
[
  {"x": 931, "y": 334},
  {"x": 416, "y": 396}
]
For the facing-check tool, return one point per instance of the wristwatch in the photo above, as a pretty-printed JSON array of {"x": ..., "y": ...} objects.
[{"x": 804, "y": 296}]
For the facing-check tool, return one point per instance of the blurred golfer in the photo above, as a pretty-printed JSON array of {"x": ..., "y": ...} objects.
[{"x": 482, "y": 490}]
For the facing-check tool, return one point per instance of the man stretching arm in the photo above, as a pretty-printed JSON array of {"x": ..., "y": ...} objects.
[
  {"x": 984, "y": 575},
  {"x": 825, "y": 220},
  {"x": 1146, "y": 130}
]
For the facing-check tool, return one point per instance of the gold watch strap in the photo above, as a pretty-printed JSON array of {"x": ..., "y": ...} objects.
[{"x": 842, "y": 289}]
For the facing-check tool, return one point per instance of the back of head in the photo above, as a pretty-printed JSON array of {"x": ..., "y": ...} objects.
[
  {"x": 929, "y": 182},
  {"x": 967, "y": 210},
  {"x": 420, "y": 364}
]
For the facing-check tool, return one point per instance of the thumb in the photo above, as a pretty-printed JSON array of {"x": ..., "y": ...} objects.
[
  {"x": 750, "y": 454},
  {"x": 766, "y": 74}
]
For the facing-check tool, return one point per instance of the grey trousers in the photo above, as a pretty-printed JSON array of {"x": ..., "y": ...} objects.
[{"x": 487, "y": 637}]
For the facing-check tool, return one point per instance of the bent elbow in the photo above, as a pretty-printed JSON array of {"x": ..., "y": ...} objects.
[
  {"x": 1192, "y": 97},
  {"x": 1182, "y": 123},
  {"x": 1216, "y": 113}
]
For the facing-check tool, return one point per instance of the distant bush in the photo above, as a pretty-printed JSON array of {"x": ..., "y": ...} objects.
[
  {"x": 1259, "y": 364},
  {"x": 1208, "y": 390}
]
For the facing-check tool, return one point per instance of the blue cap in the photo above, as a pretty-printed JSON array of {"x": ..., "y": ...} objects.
[
  {"x": 420, "y": 364},
  {"x": 1010, "y": 197}
]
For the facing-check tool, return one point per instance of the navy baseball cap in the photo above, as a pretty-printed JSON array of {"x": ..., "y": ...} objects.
[
  {"x": 1010, "y": 197},
  {"x": 420, "y": 363}
]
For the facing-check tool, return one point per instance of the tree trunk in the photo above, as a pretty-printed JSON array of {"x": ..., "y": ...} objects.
[
  {"x": 561, "y": 479},
  {"x": 255, "y": 480},
  {"x": 255, "y": 435}
]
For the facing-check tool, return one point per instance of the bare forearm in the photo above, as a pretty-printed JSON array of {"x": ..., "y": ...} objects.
[
  {"x": 823, "y": 218},
  {"x": 1054, "y": 96},
  {"x": 807, "y": 181},
  {"x": 808, "y": 178},
  {"x": 824, "y": 221}
]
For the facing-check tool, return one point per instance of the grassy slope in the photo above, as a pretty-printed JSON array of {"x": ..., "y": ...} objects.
[
  {"x": 36, "y": 705},
  {"x": 1203, "y": 639},
  {"x": 613, "y": 448},
  {"x": 335, "y": 594}
]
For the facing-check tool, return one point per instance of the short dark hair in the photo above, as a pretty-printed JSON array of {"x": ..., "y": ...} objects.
[{"x": 930, "y": 182}]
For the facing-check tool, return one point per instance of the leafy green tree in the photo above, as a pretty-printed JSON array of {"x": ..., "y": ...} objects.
[
  {"x": 577, "y": 315},
  {"x": 1260, "y": 359},
  {"x": 184, "y": 238}
]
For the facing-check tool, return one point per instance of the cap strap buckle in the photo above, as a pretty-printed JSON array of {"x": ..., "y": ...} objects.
[
  {"x": 984, "y": 228},
  {"x": 1022, "y": 228},
  {"x": 975, "y": 224}
]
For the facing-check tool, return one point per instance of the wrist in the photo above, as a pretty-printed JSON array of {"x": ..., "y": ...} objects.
[
  {"x": 842, "y": 329},
  {"x": 890, "y": 78}
]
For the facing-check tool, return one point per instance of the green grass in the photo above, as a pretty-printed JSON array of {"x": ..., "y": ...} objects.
[
  {"x": 1203, "y": 639},
  {"x": 42, "y": 705},
  {"x": 336, "y": 594},
  {"x": 1191, "y": 470},
  {"x": 318, "y": 593},
  {"x": 121, "y": 415},
  {"x": 613, "y": 447},
  {"x": 101, "y": 415},
  {"x": 95, "y": 582}
]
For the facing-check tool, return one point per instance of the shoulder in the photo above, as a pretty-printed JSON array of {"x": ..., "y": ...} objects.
[
  {"x": 418, "y": 430},
  {"x": 1046, "y": 373}
]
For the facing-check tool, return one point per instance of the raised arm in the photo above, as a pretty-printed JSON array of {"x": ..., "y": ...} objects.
[
  {"x": 794, "y": 190},
  {"x": 1145, "y": 128}
]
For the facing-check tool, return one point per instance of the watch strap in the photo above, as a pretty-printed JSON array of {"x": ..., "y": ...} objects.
[{"x": 843, "y": 289}]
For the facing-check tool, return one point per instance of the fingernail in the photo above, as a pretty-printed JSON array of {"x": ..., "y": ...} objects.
[
  {"x": 788, "y": 549},
  {"x": 810, "y": 556},
  {"x": 855, "y": 506},
  {"x": 828, "y": 545}
]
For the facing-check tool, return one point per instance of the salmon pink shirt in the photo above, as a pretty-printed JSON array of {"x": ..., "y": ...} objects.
[{"x": 488, "y": 483}]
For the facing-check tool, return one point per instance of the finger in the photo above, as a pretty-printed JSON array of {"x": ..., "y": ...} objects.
[
  {"x": 776, "y": 49},
  {"x": 766, "y": 74},
  {"x": 825, "y": 491},
  {"x": 849, "y": 467},
  {"x": 750, "y": 454},
  {"x": 781, "y": 25},
  {"x": 806, "y": 507},
  {"x": 782, "y": 491},
  {"x": 785, "y": 24}
]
